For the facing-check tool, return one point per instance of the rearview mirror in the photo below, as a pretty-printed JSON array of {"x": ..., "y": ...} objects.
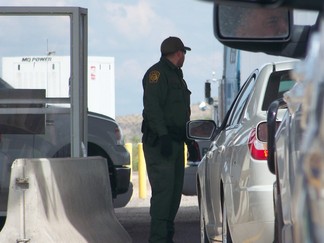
[
  {"x": 250, "y": 23},
  {"x": 253, "y": 2},
  {"x": 233, "y": 28},
  {"x": 297, "y": 4}
]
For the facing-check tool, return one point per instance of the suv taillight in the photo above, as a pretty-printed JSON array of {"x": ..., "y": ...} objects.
[
  {"x": 257, "y": 148},
  {"x": 119, "y": 135}
]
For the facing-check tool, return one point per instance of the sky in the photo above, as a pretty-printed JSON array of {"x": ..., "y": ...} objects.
[{"x": 131, "y": 31}]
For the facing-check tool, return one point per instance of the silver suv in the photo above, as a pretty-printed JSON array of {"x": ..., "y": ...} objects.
[
  {"x": 296, "y": 158},
  {"x": 234, "y": 184},
  {"x": 296, "y": 149}
]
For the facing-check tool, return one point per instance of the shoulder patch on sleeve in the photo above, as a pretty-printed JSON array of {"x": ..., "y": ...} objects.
[{"x": 154, "y": 76}]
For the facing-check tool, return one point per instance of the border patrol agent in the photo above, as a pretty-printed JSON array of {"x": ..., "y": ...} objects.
[{"x": 166, "y": 110}]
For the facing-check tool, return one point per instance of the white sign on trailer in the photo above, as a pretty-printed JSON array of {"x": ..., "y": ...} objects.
[{"x": 53, "y": 73}]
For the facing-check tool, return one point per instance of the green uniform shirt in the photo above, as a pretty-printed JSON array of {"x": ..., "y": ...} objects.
[{"x": 166, "y": 100}]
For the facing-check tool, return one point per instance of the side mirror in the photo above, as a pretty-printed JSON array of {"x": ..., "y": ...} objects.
[
  {"x": 201, "y": 129},
  {"x": 262, "y": 131}
]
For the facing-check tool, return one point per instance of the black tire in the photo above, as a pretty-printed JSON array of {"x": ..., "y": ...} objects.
[
  {"x": 2, "y": 222},
  {"x": 94, "y": 150},
  {"x": 226, "y": 234},
  {"x": 278, "y": 220},
  {"x": 203, "y": 233}
]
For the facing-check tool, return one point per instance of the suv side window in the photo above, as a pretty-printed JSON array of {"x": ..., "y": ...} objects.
[
  {"x": 279, "y": 83},
  {"x": 241, "y": 101}
]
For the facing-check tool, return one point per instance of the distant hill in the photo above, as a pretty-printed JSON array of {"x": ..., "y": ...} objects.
[{"x": 131, "y": 124}]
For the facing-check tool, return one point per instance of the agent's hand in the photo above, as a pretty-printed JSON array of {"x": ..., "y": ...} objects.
[
  {"x": 166, "y": 145},
  {"x": 193, "y": 151}
]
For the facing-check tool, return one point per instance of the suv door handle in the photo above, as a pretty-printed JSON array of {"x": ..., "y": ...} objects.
[
  {"x": 209, "y": 154},
  {"x": 221, "y": 149}
]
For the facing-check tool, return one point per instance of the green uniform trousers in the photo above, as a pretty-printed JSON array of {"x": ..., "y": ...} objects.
[{"x": 166, "y": 179}]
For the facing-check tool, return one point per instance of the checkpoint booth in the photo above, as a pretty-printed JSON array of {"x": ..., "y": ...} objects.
[{"x": 44, "y": 198}]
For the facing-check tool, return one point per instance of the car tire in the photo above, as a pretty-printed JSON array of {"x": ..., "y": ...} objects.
[
  {"x": 94, "y": 150},
  {"x": 203, "y": 233},
  {"x": 226, "y": 235},
  {"x": 278, "y": 220},
  {"x": 2, "y": 221}
]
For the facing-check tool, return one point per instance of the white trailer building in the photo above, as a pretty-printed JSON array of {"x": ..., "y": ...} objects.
[{"x": 53, "y": 73}]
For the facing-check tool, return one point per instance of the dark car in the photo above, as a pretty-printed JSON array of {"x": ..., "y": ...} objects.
[{"x": 31, "y": 128}]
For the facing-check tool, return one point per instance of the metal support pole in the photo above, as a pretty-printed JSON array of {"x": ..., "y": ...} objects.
[
  {"x": 142, "y": 191},
  {"x": 79, "y": 91},
  {"x": 185, "y": 155}
]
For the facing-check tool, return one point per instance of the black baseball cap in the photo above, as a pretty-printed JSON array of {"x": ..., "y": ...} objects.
[{"x": 173, "y": 44}]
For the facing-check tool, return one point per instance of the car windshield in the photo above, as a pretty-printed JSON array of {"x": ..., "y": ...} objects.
[{"x": 279, "y": 83}]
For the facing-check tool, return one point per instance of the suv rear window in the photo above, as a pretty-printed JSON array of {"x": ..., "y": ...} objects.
[{"x": 279, "y": 83}]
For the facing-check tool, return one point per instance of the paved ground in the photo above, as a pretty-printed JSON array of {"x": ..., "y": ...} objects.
[{"x": 135, "y": 218}]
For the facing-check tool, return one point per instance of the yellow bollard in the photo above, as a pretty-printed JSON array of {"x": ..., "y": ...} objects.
[
  {"x": 129, "y": 148},
  {"x": 185, "y": 155},
  {"x": 142, "y": 191}
]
